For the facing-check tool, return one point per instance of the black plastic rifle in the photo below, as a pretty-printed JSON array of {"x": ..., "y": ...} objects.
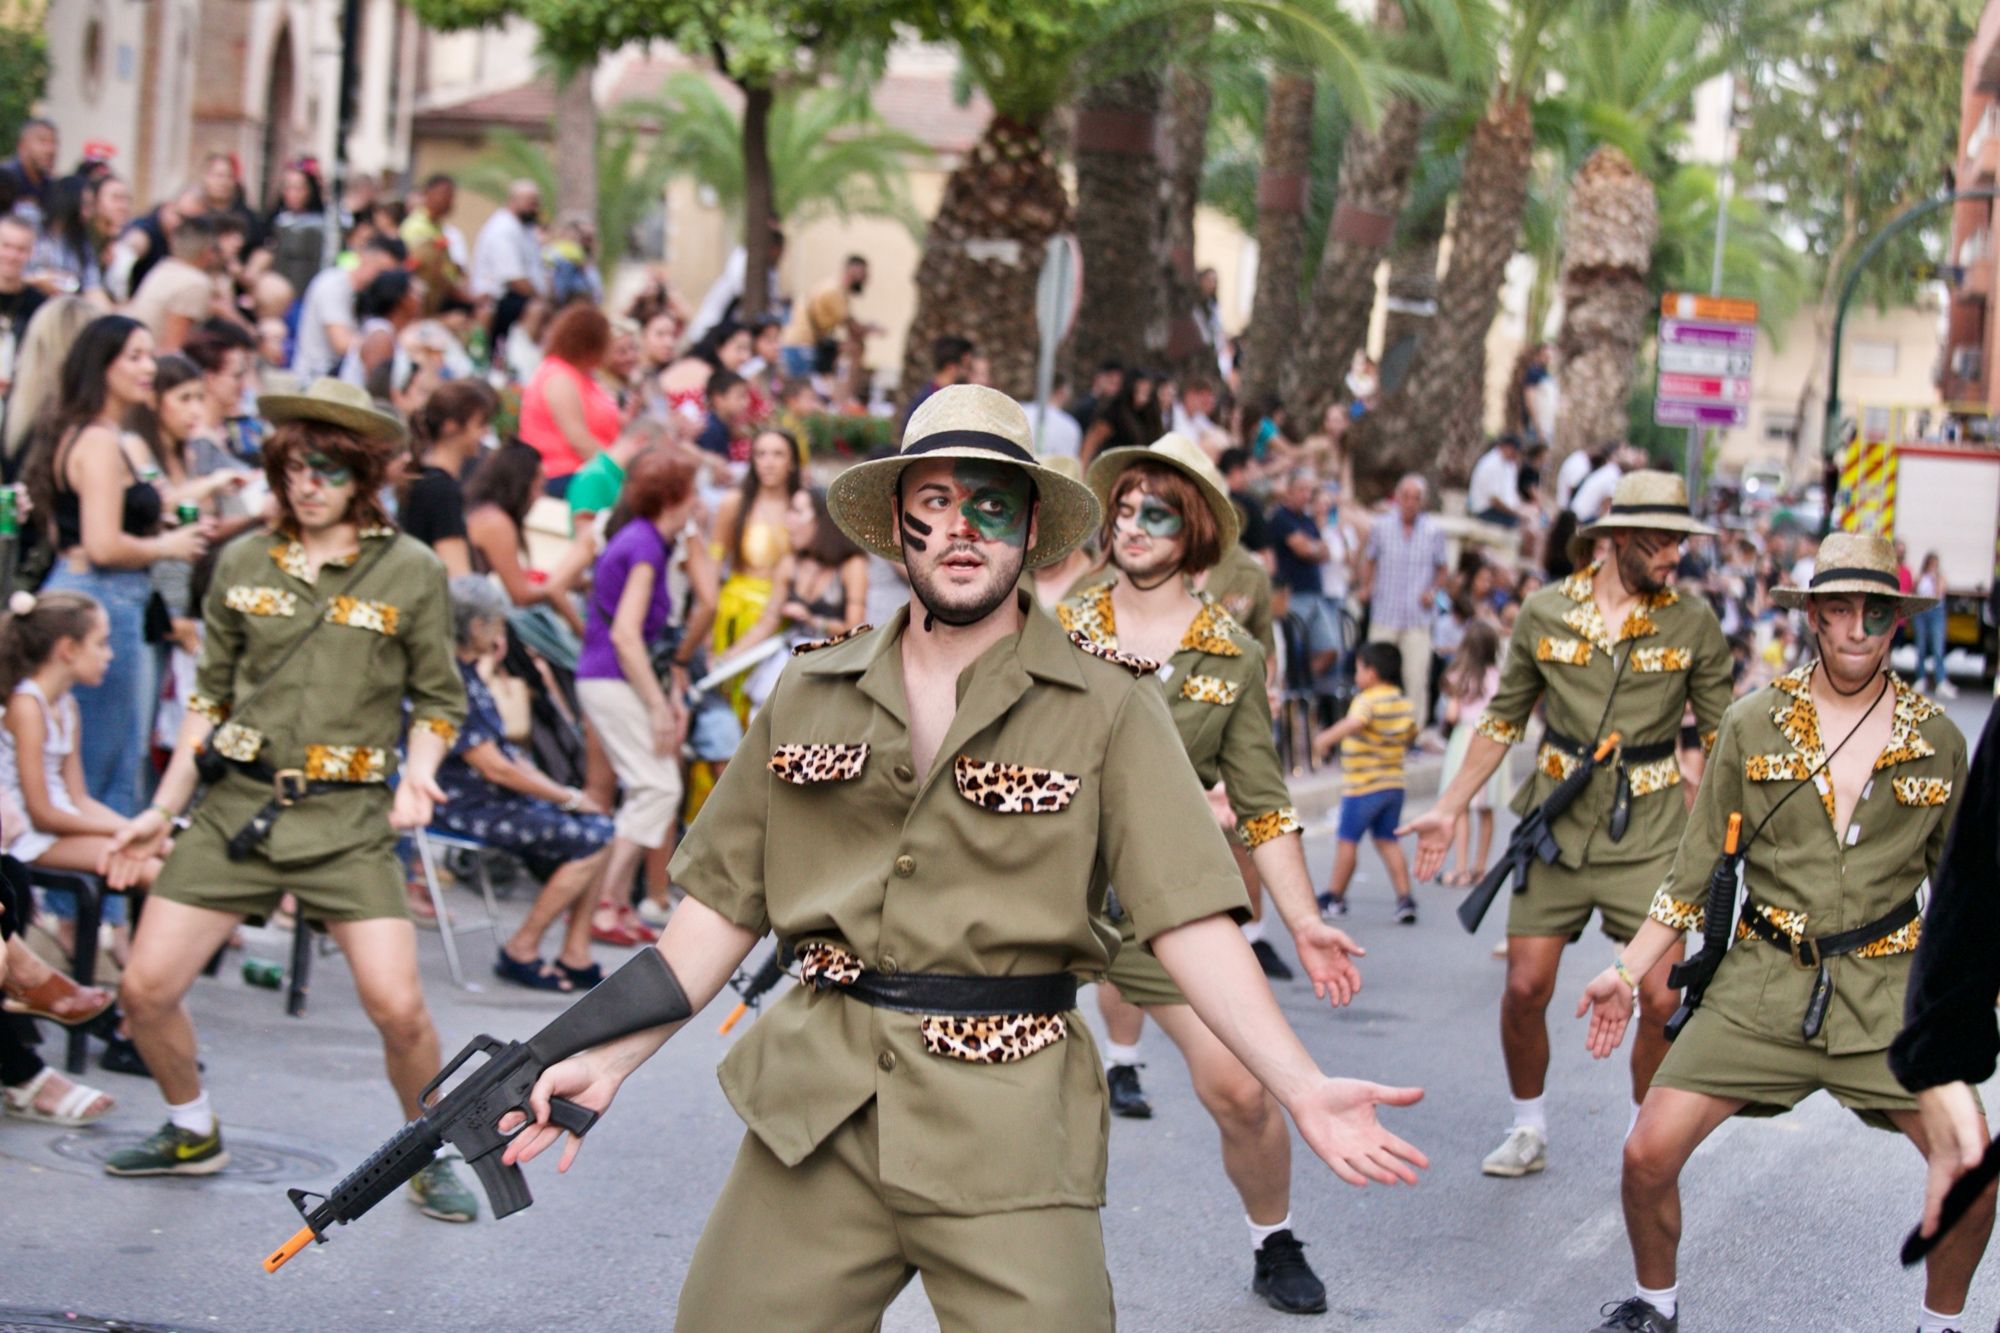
[
  {"x": 1958, "y": 1201},
  {"x": 1692, "y": 976},
  {"x": 1533, "y": 837},
  {"x": 752, "y": 987},
  {"x": 642, "y": 994}
]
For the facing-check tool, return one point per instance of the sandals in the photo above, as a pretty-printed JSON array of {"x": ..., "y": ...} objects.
[
  {"x": 581, "y": 978},
  {"x": 58, "y": 999},
  {"x": 72, "y": 1108},
  {"x": 536, "y": 975}
]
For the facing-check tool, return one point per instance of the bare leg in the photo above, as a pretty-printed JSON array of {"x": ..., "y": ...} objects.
[
  {"x": 1344, "y": 855},
  {"x": 1484, "y": 844},
  {"x": 1461, "y": 830},
  {"x": 1657, "y": 1002},
  {"x": 1948, "y": 1271},
  {"x": 382, "y": 953},
  {"x": 1394, "y": 862},
  {"x": 1672, "y": 1124},
  {"x": 167, "y": 956},
  {"x": 1256, "y": 1145},
  {"x": 1253, "y": 884},
  {"x": 575, "y": 951},
  {"x": 1524, "y": 1029},
  {"x": 572, "y": 881},
  {"x": 1123, "y": 1020},
  {"x": 619, "y": 868},
  {"x": 600, "y": 780},
  {"x": 656, "y": 871}
]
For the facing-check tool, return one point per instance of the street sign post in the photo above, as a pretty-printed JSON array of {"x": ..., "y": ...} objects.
[{"x": 1707, "y": 349}]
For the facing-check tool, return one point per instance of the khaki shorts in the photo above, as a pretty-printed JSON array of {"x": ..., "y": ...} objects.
[
  {"x": 1137, "y": 974},
  {"x": 1717, "y": 1058},
  {"x": 1559, "y": 900},
  {"x": 361, "y": 883}
]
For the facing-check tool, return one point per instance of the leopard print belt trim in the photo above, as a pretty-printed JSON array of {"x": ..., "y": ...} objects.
[{"x": 981, "y": 1020}]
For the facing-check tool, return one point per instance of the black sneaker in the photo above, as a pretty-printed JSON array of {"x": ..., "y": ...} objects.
[
  {"x": 1406, "y": 911},
  {"x": 1127, "y": 1097},
  {"x": 1284, "y": 1279},
  {"x": 1267, "y": 958},
  {"x": 1636, "y": 1316}
]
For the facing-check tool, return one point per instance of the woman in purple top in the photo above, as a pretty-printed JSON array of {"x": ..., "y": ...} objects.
[{"x": 640, "y": 722}]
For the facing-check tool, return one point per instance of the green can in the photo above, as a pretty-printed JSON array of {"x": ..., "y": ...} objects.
[
  {"x": 188, "y": 514},
  {"x": 10, "y": 511},
  {"x": 263, "y": 972}
]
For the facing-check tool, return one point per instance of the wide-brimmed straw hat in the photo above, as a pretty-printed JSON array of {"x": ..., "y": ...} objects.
[
  {"x": 963, "y": 421},
  {"x": 1183, "y": 456},
  {"x": 1649, "y": 499},
  {"x": 1854, "y": 562},
  {"x": 334, "y": 403}
]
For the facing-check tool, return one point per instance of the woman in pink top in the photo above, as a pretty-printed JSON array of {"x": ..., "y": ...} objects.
[{"x": 566, "y": 415}]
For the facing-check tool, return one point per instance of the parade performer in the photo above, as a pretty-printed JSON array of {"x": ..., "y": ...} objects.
[
  {"x": 1845, "y": 780},
  {"x": 930, "y": 819},
  {"x": 1167, "y": 517},
  {"x": 1612, "y": 648},
  {"x": 315, "y": 637}
]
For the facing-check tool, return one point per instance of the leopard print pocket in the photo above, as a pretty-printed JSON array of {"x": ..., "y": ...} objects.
[
  {"x": 1570, "y": 652},
  {"x": 360, "y": 613},
  {"x": 256, "y": 599},
  {"x": 1012, "y": 789},
  {"x": 990, "y": 1039},
  {"x": 1211, "y": 689},
  {"x": 803, "y": 765},
  {"x": 1922, "y": 791},
  {"x": 1775, "y": 768},
  {"x": 1662, "y": 659}
]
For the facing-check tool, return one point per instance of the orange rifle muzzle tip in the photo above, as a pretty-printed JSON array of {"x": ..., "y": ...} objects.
[
  {"x": 735, "y": 1016},
  {"x": 298, "y": 1242}
]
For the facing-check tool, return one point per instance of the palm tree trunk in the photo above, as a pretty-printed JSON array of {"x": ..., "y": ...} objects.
[
  {"x": 576, "y": 145},
  {"x": 758, "y": 210},
  {"x": 1410, "y": 313},
  {"x": 1612, "y": 222},
  {"x": 1443, "y": 404},
  {"x": 1121, "y": 317},
  {"x": 1375, "y": 171},
  {"x": 1281, "y": 210},
  {"x": 983, "y": 253},
  {"x": 1183, "y": 154}
]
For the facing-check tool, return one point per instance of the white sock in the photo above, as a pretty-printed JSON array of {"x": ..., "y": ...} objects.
[
  {"x": 1531, "y": 1113},
  {"x": 1115, "y": 1054},
  {"x": 194, "y": 1116},
  {"x": 1666, "y": 1300},
  {"x": 1253, "y": 931},
  {"x": 1633, "y": 1123},
  {"x": 1260, "y": 1233},
  {"x": 1930, "y": 1321}
]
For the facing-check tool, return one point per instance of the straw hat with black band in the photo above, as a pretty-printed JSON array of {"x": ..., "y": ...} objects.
[
  {"x": 1183, "y": 456},
  {"x": 1854, "y": 563},
  {"x": 1648, "y": 499},
  {"x": 973, "y": 422},
  {"x": 333, "y": 402}
]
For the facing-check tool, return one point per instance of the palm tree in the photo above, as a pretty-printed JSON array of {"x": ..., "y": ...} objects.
[
  {"x": 1608, "y": 237},
  {"x": 1122, "y": 315},
  {"x": 1281, "y": 207},
  {"x": 830, "y": 153}
]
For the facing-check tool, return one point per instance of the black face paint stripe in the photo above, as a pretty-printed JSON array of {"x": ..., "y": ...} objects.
[{"x": 914, "y": 531}]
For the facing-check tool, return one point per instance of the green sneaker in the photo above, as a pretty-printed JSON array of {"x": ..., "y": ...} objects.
[
  {"x": 437, "y": 1193},
  {"x": 172, "y": 1151}
]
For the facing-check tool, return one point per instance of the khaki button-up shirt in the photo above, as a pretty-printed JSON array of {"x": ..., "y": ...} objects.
[
  {"x": 1562, "y": 653},
  {"x": 1060, "y": 773},
  {"x": 1816, "y": 880},
  {"x": 334, "y": 711},
  {"x": 1215, "y": 693}
]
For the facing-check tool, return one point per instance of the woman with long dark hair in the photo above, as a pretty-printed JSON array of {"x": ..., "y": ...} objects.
[
  {"x": 502, "y": 490},
  {"x": 824, "y": 583},
  {"x": 685, "y": 383},
  {"x": 1129, "y": 421},
  {"x": 295, "y": 228},
  {"x": 97, "y": 487},
  {"x": 64, "y": 260},
  {"x": 750, "y": 529}
]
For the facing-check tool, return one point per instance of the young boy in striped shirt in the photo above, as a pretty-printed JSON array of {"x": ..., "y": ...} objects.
[{"x": 1373, "y": 738}]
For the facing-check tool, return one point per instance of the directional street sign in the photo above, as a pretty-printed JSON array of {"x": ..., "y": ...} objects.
[{"x": 1706, "y": 353}]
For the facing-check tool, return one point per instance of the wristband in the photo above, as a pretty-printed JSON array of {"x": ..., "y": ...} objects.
[
  {"x": 572, "y": 801},
  {"x": 1624, "y": 972},
  {"x": 164, "y": 813}
]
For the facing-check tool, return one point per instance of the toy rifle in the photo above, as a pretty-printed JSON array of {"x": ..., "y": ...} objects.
[
  {"x": 751, "y": 987},
  {"x": 1533, "y": 837},
  {"x": 1692, "y": 976},
  {"x": 642, "y": 994},
  {"x": 1958, "y": 1201}
]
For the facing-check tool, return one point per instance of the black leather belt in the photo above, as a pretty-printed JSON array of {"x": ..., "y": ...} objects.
[
  {"x": 1811, "y": 954},
  {"x": 1621, "y": 795},
  {"x": 966, "y": 997},
  {"x": 289, "y": 786}
]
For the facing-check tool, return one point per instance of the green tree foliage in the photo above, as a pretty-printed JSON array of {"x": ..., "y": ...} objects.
[
  {"x": 831, "y": 154},
  {"x": 24, "y": 77}
]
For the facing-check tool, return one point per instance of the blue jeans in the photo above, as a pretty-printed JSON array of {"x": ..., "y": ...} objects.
[
  {"x": 117, "y": 714},
  {"x": 1929, "y": 629}
]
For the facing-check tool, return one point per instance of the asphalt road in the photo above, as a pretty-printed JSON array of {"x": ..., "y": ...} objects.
[{"x": 1791, "y": 1224}]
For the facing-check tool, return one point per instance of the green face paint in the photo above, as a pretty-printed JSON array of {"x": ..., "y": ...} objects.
[
  {"x": 997, "y": 501},
  {"x": 319, "y": 465},
  {"x": 1878, "y": 616},
  {"x": 1157, "y": 520}
]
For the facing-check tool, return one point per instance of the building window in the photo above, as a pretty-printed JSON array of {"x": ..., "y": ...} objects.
[
  {"x": 1871, "y": 357},
  {"x": 92, "y": 63},
  {"x": 1781, "y": 428}
]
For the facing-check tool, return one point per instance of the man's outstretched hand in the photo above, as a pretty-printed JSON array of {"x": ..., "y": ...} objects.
[{"x": 1337, "y": 1118}]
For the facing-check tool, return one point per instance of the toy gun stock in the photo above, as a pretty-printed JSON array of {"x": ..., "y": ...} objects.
[
  {"x": 1532, "y": 837},
  {"x": 642, "y": 994}
]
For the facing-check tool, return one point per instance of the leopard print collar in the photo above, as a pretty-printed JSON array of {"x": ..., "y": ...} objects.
[
  {"x": 1797, "y": 719},
  {"x": 1588, "y": 622},
  {"x": 290, "y": 553},
  {"x": 1212, "y": 630}
]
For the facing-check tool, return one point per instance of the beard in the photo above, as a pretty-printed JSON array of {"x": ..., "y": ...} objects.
[
  {"x": 1147, "y": 572},
  {"x": 1633, "y": 568},
  {"x": 962, "y": 606}
]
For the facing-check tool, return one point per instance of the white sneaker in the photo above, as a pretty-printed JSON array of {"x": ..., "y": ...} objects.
[
  {"x": 652, "y": 913},
  {"x": 1947, "y": 690},
  {"x": 1525, "y": 1152}
]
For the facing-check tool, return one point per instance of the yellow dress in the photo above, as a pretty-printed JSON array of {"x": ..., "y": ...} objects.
[{"x": 746, "y": 593}]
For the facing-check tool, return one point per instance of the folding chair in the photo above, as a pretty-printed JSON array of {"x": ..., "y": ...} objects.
[
  {"x": 89, "y": 891},
  {"x": 428, "y": 841}
]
